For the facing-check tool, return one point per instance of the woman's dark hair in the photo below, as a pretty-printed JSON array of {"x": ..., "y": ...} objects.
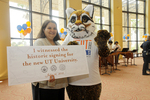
[
  {"x": 116, "y": 42},
  {"x": 110, "y": 41},
  {"x": 41, "y": 34}
]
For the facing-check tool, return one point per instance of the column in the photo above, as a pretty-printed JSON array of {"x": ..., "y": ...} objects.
[
  {"x": 4, "y": 37},
  {"x": 76, "y": 4},
  {"x": 147, "y": 17},
  {"x": 116, "y": 16}
]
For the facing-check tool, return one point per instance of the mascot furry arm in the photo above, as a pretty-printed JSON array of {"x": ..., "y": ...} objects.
[
  {"x": 81, "y": 26},
  {"x": 101, "y": 40}
]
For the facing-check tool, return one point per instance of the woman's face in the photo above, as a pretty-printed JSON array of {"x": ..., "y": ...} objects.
[
  {"x": 110, "y": 43},
  {"x": 50, "y": 31}
]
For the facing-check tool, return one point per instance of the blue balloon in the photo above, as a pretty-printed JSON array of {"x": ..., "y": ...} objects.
[
  {"x": 124, "y": 37},
  {"x": 65, "y": 32},
  {"x": 110, "y": 39},
  {"x": 19, "y": 27},
  {"x": 60, "y": 34},
  {"x": 24, "y": 26},
  {"x": 127, "y": 37}
]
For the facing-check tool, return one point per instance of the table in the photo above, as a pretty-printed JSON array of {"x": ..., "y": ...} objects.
[
  {"x": 110, "y": 59},
  {"x": 127, "y": 55},
  {"x": 104, "y": 61}
]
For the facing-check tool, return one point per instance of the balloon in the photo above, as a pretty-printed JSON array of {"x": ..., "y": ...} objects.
[
  {"x": 128, "y": 34},
  {"x": 62, "y": 39},
  {"x": 111, "y": 34},
  {"x": 60, "y": 34},
  {"x": 110, "y": 39},
  {"x": 65, "y": 32},
  {"x": 28, "y": 30},
  {"x": 143, "y": 36},
  {"x": 127, "y": 37},
  {"x": 22, "y": 36},
  {"x": 62, "y": 30},
  {"x": 19, "y": 27},
  {"x": 63, "y": 36},
  {"x": 124, "y": 37},
  {"x": 25, "y": 32},
  {"x": 24, "y": 26},
  {"x": 28, "y": 23},
  {"x": 22, "y": 31}
]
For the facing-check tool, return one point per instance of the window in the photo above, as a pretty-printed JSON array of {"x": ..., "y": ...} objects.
[
  {"x": 101, "y": 14},
  {"x": 35, "y": 11},
  {"x": 133, "y": 17}
]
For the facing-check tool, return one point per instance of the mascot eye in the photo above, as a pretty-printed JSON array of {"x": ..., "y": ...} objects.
[
  {"x": 73, "y": 19},
  {"x": 84, "y": 19}
]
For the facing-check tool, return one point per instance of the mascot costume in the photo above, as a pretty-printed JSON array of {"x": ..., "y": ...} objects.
[{"x": 81, "y": 29}]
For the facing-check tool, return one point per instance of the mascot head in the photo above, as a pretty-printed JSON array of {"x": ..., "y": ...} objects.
[{"x": 80, "y": 23}]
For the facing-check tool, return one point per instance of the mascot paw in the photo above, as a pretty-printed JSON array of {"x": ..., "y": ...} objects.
[
  {"x": 103, "y": 51},
  {"x": 73, "y": 43},
  {"x": 101, "y": 40},
  {"x": 102, "y": 35}
]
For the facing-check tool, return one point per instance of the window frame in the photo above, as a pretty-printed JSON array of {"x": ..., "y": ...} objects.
[
  {"x": 101, "y": 7},
  {"x": 137, "y": 27},
  {"x": 30, "y": 11}
]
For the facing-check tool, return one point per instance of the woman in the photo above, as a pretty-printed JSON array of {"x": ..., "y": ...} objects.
[
  {"x": 110, "y": 45},
  {"x": 50, "y": 89},
  {"x": 116, "y": 45}
]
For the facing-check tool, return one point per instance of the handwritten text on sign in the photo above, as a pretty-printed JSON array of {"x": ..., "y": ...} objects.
[{"x": 37, "y": 63}]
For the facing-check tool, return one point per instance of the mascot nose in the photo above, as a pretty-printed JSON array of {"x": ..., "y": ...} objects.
[{"x": 78, "y": 22}]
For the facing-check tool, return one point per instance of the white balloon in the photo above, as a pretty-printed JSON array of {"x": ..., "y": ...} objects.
[{"x": 22, "y": 36}]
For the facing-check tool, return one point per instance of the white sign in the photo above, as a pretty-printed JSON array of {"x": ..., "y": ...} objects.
[{"x": 37, "y": 63}]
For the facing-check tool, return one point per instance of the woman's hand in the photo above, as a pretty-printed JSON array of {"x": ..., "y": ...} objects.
[{"x": 52, "y": 78}]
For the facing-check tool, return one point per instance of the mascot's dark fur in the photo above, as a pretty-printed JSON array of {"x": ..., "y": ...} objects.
[
  {"x": 73, "y": 43},
  {"x": 101, "y": 40}
]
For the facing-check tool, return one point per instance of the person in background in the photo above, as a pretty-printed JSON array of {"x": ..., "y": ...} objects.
[
  {"x": 110, "y": 45},
  {"x": 146, "y": 55},
  {"x": 52, "y": 89},
  {"x": 116, "y": 45}
]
